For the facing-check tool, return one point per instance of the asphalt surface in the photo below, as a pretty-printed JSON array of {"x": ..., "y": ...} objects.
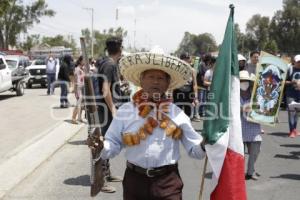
[
  {"x": 65, "y": 175},
  {"x": 23, "y": 119}
]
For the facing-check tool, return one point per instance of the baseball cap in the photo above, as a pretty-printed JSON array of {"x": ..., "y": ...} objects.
[{"x": 241, "y": 57}]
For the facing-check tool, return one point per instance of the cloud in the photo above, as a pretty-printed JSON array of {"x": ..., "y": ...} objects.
[
  {"x": 157, "y": 22},
  {"x": 210, "y": 2},
  {"x": 127, "y": 11}
]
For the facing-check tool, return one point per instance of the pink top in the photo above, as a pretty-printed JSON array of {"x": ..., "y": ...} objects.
[{"x": 79, "y": 76}]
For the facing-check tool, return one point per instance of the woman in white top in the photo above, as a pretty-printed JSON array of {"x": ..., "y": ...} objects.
[
  {"x": 79, "y": 83},
  {"x": 209, "y": 74}
]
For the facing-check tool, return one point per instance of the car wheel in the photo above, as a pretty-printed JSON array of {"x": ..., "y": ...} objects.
[
  {"x": 28, "y": 85},
  {"x": 20, "y": 89}
]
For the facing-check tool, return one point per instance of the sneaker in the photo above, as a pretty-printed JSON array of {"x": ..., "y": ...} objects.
[
  {"x": 196, "y": 119},
  {"x": 293, "y": 133},
  {"x": 262, "y": 131},
  {"x": 114, "y": 179},
  {"x": 108, "y": 189},
  {"x": 203, "y": 115},
  {"x": 73, "y": 121},
  {"x": 252, "y": 177},
  {"x": 64, "y": 106}
]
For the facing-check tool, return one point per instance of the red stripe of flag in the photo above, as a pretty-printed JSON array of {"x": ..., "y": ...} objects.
[{"x": 231, "y": 185}]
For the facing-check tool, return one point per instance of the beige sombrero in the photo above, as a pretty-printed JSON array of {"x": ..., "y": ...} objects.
[
  {"x": 244, "y": 75},
  {"x": 132, "y": 65}
]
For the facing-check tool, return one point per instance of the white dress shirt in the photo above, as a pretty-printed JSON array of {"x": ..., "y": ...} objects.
[{"x": 157, "y": 149}]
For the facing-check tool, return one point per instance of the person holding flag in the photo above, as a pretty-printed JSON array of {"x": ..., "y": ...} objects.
[
  {"x": 150, "y": 128},
  {"x": 222, "y": 127}
]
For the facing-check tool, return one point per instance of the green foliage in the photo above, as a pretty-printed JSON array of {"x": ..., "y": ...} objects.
[
  {"x": 271, "y": 47},
  {"x": 16, "y": 18},
  {"x": 186, "y": 44},
  {"x": 4, "y": 4},
  {"x": 31, "y": 41},
  {"x": 58, "y": 40},
  {"x": 285, "y": 27},
  {"x": 197, "y": 44},
  {"x": 100, "y": 38},
  {"x": 280, "y": 34},
  {"x": 257, "y": 30}
]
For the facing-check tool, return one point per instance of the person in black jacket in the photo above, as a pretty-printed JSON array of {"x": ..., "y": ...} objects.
[{"x": 63, "y": 77}]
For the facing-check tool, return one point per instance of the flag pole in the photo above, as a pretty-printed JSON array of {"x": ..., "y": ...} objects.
[{"x": 203, "y": 179}]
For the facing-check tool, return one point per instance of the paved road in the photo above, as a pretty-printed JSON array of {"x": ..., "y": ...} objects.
[
  {"x": 24, "y": 118},
  {"x": 66, "y": 174}
]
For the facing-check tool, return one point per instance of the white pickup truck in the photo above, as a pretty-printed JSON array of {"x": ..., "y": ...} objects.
[{"x": 9, "y": 82}]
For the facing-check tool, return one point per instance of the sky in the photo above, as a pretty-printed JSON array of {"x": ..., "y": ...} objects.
[{"x": 154, "y": 22}]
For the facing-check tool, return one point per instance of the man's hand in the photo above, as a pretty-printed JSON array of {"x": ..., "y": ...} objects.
[
  {"x": 247, "y": 108},
  {"x": 95, "y": 143}
]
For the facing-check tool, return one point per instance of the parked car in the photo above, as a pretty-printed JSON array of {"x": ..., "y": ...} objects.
[
  {"x": 17, "y": 64},
  {"x": 8, "y": 81},
  {"x": 37, "y": 73}
]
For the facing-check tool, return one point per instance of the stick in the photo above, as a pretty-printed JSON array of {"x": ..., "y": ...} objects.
[{"x": 202, "y": 179}]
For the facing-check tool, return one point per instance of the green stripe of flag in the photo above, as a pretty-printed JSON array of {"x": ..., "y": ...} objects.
[{"x": 218, "y": 103}]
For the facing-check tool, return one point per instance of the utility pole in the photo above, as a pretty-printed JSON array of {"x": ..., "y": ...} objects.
[
  {"x": 134, "y": 35},
  {"x": 117, "y": 17},
  {"x": 92, "y": 37}
]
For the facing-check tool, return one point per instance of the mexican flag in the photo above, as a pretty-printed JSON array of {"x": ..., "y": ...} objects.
[{"x": 222, "y": 128}]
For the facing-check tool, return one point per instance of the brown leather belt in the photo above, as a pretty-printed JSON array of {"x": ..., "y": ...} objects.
[{"x": 152, "y": 172}]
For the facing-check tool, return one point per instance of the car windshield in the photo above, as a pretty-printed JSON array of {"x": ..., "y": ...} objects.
[
  {"x": 12, "y": 64},
  {"x": 39, "y": 62}
]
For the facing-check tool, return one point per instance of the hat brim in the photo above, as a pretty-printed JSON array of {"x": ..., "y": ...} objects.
[
  {"x": 246, "y": 79},
  {"x": 251, "y": 78},
  {"x": 133, "y": 65}
]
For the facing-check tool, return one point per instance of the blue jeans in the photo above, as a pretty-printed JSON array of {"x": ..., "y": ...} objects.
[
  {"x": 293, "y": 117},
  {"x": 64, "y": 93},
  {"x": 50, "y": 81}
]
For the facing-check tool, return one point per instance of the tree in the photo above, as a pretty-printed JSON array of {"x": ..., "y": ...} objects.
[
  {"x": 3, "y": 6},
  {"x": 257, "y": 31},
  {"x": 31, "y": 41},
  {"x": 204, "y": 43},
  {"x": 186, "y": 44},
  {"x": 60, "y": 40},
  {"x": 197, "y": 44},
  {"x": 285, "y": 27},
  {"x": 15, "y": 18},
  {"x": 100, "y": 38},
  {"x": 271, "y": 47}
]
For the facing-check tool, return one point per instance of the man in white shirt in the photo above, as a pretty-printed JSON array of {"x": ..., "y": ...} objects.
[
  {"x": 151, "y": 127},
  {"x": 51, "y": 67},
  {"x": 254, "y": 59}
]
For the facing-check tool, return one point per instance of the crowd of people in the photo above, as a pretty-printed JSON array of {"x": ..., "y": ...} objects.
[{"x": 113, "y": 93}]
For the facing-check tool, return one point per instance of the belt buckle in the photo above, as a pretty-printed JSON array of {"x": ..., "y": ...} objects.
[{"x": 148, "y": 174}]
